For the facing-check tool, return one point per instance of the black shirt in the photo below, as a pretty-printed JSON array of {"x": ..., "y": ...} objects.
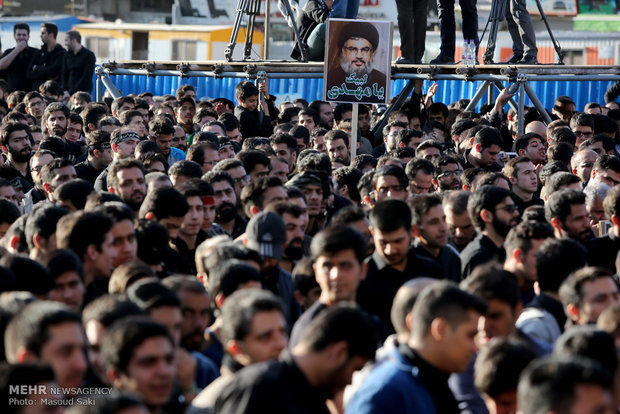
[
  {"x": 15, "y": 74},
  {"x": 522, "y": 205},
  {"x": 436, "y": 381},
  {"x": 303, "y": 322},
  {"x": 78, "y": 69},
  {"x": 46, "y": 65},
  {"x": 86, "y": 171},
  {"x": 602, "y": 251},
  {"x": 479, "y": 251},
  {"x": 376, "y": 293},
  {"x": 448, "y": 259},
  {"x": 275, "y": 387}
]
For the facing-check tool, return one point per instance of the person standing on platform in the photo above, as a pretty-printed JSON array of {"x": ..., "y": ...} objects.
[
  {"x": 447, "y": 28},
  {"x": 15, "y": 61},
  {"x": 412, "y": 28},
  {"x": 79, "y": 65},
  {"x": 524, "y": 50},
  {"x": 47, "y": 62}
]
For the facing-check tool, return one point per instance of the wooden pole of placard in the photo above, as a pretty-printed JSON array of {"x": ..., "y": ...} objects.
[{"x": 354, "y": 127}]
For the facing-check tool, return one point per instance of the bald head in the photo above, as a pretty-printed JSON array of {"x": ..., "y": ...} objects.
[{"x": 537, "y": 127}]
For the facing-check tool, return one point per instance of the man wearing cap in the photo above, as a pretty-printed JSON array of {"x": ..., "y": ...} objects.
[
  {"x": 123, "y": 142},
  {"x": 266, "y": 234},
  {"x": 352, "y": 76}
]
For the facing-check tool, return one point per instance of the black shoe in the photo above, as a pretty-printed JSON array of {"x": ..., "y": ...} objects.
[
  {"x": 514, "y": 59},
  {"x": 404, "y": 61},
  {"x": 528, "y": 60},
  {"x": 442, "y": 60}
]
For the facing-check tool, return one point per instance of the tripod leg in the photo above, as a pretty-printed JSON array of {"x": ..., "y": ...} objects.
[
  {"x": 302, "y": 47},
  {"x": 241, "y": 5},
  {"x": 498, "y": 8},
  {"x": 249, "y": 34},
  {"x": 556, "y": 44}
]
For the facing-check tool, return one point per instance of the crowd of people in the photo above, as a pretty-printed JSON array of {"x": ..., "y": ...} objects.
[{"x": 170, "y": 254}]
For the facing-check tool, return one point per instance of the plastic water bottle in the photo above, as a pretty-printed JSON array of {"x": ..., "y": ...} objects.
[
  {"x": 471, "y": 52},
  {"x": 464, "y": 60}
]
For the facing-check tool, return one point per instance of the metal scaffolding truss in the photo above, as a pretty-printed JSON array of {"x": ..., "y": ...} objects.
[{"x": 491, "y": 76}]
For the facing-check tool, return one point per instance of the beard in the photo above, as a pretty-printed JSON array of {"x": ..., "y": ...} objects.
[
  {"x": 135, "y": 201},
  {"x": 502, "y": 228},
  {"x": 225, "y": 212},
  {"x": 295, "y": 250},
  {"x": 22, "y": 155},
  {"x": 359, "y": 72}
]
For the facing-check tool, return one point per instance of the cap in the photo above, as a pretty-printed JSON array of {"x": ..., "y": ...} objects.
[
  {"x": 266, "y": 233},
  {"x": 361, "y": 29},
  {"x": 304, "y": 178}
]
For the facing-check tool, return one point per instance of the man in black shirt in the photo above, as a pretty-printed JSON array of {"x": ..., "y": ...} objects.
[
  {"x": 493, "y": 212},
  {"x": 339, "y": 341},
  {"x": 16, "y": 61},
  {"x": 602, "y": 251},
  {"x": 431, "y": 235},
  {"x": 46, "y": 64},
  {"x": 394, "y": 261},
  {"x": 99, "y": 156},
  {"x": 338, "y": 253},
  {"x": 522, "y": 175},
  {"x": 79, "y": 65}
]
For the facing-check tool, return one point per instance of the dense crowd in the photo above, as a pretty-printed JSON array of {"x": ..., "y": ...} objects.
[{"x": 170, "y": 254}]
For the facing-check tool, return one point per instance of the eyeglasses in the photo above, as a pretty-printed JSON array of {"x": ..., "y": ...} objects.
[
  {"x": 508, "y": 208},
  {"x": 33, "y": 104},
  {"x": 364, "y": 50},
  {"x": 244, "y": 179},
  {"x": 583, "y": 134},
  {"x": 449, "y": 174}
]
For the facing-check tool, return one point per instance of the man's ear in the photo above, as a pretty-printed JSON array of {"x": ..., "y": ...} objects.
[
  {"x": 47, "y": 187},
  {"x": 486, "y": 215},
  {"x": 38, "y": 241},
  {"x": 415, "y": 231},
  {"x": 556, "y": 223},
  {"x": 517, "y": 254},
  {"x": 438, "y": 329},
  {"x": 96, "y": 153},
  {"x": 114, "y": 147},
  {"x": 111, "y": 190},
  {"x": 24, "y": 355},
  {"x": 479, "y": 148},
  {"x": 512, "y": 180},
  {"x": 150, "y": 216},
  {"x": 573, "y": 312}
]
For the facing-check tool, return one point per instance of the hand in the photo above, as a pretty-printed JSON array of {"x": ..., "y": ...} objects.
[
  {"x": 503, "y": 97},
  {"x": 21, "y": 45},
  {"x": 432, "y": 90},
  {"x": 264, "y": 88},
  {"x": 186, "y": 369},
  {"x": 220, "y": 108}
]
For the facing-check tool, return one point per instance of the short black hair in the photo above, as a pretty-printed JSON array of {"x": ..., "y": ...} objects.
[
  {"x": 164, "y": 202},
  {"x": 227, "y": 276},
  {"x": 443, "y": 299},
  {"x": 485, "y": 198},
  {"x": 556, "y": 259},
  {"x": 489, "y": 281},
  {"x": 124, "y": 336},
  {"x": 238, "y": 312},
  {"x": 549, "y": 384},
  {"x": 29, "y": 328},
  {"x": 337, "y": 238},
  {"x": 390, "y": 214},
  {"x": 559, "y": 203}
]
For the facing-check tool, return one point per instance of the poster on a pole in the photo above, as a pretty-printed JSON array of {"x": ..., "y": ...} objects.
[{"x": 358, "y": 61}]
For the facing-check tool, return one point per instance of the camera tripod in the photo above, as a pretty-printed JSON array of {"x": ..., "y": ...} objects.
[
  {"x": 496, "y": 15},
  {"x": 251, "y": 8}
]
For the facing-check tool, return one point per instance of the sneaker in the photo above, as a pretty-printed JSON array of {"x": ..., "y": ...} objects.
[{"x": 442, "y": 60}]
